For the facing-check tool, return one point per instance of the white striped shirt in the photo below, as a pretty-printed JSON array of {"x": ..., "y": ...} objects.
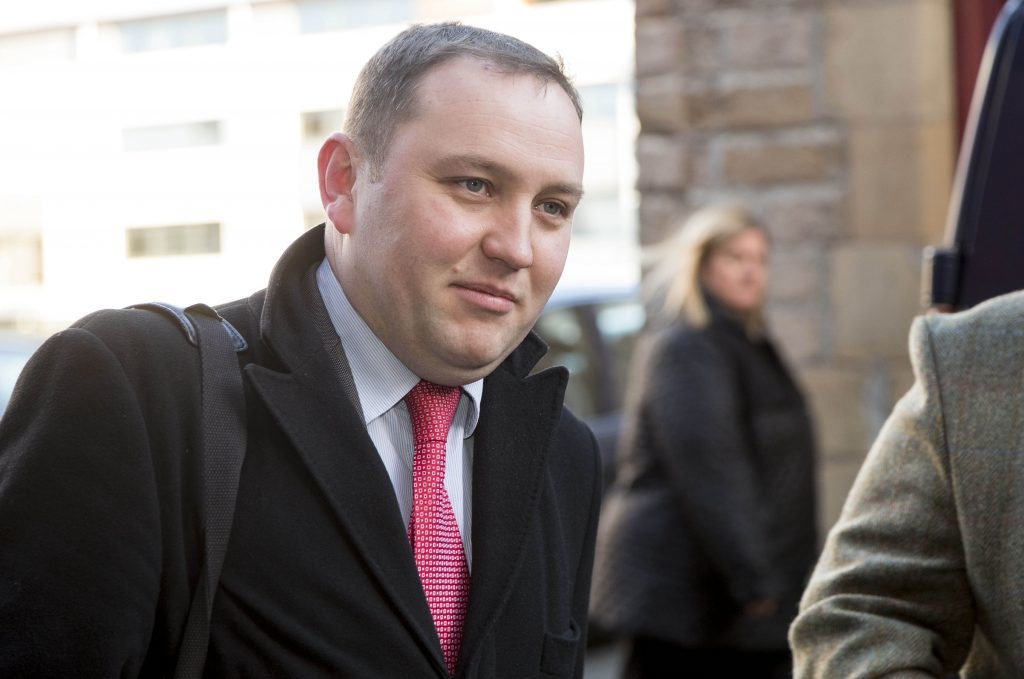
[{"x": 382, "y": 381}]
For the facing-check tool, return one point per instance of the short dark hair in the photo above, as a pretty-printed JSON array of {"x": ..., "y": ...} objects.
[{"x": 384, "y": 95}]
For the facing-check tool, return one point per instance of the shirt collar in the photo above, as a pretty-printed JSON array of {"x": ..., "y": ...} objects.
[{"x": 381, "y": 379}]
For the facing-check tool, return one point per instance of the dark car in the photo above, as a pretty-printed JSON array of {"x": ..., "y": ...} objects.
[{"x": 592, "y": 332}]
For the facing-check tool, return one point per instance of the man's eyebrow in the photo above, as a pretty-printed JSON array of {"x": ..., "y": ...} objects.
[
  {"x": 469, "y": 161},
  {"x": 573, "y": 190},
  {"x": 458, "y": 162}
]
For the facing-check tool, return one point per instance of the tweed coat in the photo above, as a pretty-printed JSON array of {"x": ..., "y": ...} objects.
[
  {"x": 713, "y": 500},
  {"x": 98, "y": 496},
  {"x": 922, "y": 575}
]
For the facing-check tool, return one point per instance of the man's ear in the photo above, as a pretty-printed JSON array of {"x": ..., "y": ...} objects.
[{"x": 336, "y": 166}]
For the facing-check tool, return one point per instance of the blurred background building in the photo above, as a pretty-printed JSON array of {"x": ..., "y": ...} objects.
[{"x": 838, "y": 122}]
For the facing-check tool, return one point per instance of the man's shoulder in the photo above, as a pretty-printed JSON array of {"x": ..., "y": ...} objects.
[
  {"x": 244, "y": 313},
  {"x": 146, "y": 328},
  {"x": 571, "y": 425},
  {"x": 576, "y": 445},
  {"x": 574, "y": 461},
  {"x": 991, "y": 331},
  {"x": 138, "y": 329},
  {"x": 996, "y": 313},
  {"x": 146, "y": 341}
]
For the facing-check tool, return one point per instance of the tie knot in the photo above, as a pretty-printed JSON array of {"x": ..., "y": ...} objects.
[{"x": 431, "y": 409}]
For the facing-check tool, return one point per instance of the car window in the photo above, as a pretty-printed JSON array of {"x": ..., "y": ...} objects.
[
  {"x": 594, "y": 341},
  {"x": 620, "y": 325},
  {"x": 569, "y": 346}
]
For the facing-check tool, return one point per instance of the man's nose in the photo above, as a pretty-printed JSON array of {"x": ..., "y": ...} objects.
[{"x": 509, "y": 238}]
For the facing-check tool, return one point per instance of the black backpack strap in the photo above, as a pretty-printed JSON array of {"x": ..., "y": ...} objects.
[
  {"x": 222, "y": 445},
  {"x": 181, "y": 316}
]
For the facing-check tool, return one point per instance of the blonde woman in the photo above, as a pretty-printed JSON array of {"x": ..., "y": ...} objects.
[{"x": 708, "y": 531}]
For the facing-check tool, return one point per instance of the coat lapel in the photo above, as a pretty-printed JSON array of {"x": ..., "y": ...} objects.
[
  {"x": 308, "y": 398},
  {"x": 509, "y": 460},
  {"x": 332, "y": 440}
]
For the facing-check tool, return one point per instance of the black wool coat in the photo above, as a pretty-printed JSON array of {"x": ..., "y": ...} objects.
[
  {"x": 99, "y": 499},
  {"x": 713, "y": 504}
]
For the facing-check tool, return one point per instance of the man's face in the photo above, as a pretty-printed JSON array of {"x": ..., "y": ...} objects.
[{"x": 455, "y": 250}]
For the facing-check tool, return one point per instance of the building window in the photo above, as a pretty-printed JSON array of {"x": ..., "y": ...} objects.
[
  {"x": 335, "y": 15},
  {"x": 318, "y": 125},
  {"x": 169, "y": 32},
  {"x": 601, "y": 211},
  {"x": 179, "y": 239},
  {"x": 183, "y": 135},
  {"x": 17, "y": 49},
  {"x": 600, "y": 100},
  {"x": 313, "y": 217},
  {"x": 21, "y": 258}
]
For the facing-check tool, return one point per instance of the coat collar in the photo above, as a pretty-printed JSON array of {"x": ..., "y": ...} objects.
[
  {"x": 307, "y": 399},
  {"x": 509, "y": 460}
]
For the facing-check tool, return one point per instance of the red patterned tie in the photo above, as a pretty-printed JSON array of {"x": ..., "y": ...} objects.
[{"x": 433, "y": 531}]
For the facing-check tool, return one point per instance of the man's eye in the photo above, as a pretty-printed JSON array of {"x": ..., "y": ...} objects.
[
  {"x": 474, "y": 185},
  {"x": 552, "y": 208}
]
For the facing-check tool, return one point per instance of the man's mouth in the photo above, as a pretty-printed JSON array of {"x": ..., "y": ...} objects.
[{"x": 489, "y": 297}]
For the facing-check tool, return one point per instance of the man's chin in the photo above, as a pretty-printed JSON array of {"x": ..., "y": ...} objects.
[
  {"x": 461, "y": 358},
  {"x": 469, "y": 366}
]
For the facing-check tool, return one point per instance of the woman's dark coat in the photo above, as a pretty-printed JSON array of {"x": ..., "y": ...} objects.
[{"x": 713, "y": 505}]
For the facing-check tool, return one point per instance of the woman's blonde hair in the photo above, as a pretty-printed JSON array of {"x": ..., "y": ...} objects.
[{"x": 673, "y": 284}]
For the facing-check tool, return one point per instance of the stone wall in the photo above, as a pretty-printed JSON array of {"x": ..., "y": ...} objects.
[{"x": 834, "y": 120}]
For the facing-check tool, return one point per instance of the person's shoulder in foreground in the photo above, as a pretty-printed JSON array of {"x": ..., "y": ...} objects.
[{"x": 921, "y": 575}]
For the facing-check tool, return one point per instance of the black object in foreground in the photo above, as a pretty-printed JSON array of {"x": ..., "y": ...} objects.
[{"x": 983, "y": 255}]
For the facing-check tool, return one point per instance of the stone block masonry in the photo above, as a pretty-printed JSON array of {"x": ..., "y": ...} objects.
[{"x": 834, "y": 121}]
